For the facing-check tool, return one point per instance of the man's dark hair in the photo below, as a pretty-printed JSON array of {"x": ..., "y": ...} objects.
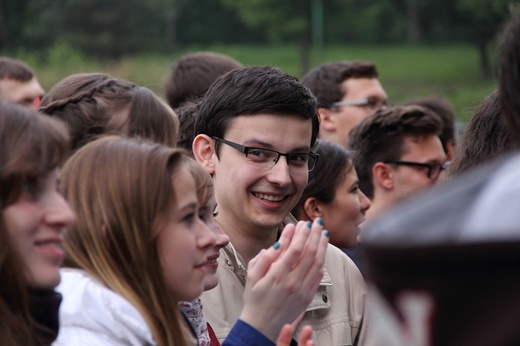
[
  {"x": 380, "y": 137},
  {"x": 15, "y": 69},
  {"x": 253, "y": 90},
  {"x": 192, "y": 75},
  {"x": 187, "y": 114},
  {"x": 325, "y": 80},
  {"x": 442, "y": 108}
]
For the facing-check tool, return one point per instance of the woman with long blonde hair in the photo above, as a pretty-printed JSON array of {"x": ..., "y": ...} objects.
[{"x": 139, "y": 247}]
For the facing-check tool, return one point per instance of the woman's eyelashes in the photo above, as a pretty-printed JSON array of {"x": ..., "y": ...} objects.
[{"x": 31, "y": 188}]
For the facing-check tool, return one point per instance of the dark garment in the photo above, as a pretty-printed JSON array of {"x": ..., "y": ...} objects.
[
  {"x": 44, "y": 306},
  {"x": 460, "y": 245}
]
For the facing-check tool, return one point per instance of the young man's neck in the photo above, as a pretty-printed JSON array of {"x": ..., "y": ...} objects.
[{"x": 247, "y": 240}]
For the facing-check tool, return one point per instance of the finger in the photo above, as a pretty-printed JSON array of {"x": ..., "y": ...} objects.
[
  {"x": 260, "y": 264},
  {"x": 284, "y": 339},
  {"x": 315, "y": 270},
  {"x": 295, "y": 249},
  {"x": 313, "y": 242},
  {"x": 307, "y": 264},
  {"x": 306, "y": 337},
  {"x": 286, "y": 236}
]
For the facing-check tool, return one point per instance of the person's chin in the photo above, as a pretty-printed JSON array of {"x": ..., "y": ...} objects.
[
  {"x": 210, "y": 283},
  {"x": 45, "y": 280}
]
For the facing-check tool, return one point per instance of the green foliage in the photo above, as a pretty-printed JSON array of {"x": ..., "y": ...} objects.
[
  {"x": 406, "y": 71},
  {"x": 280, "y": 19},
  {"x": 205, "y": 22}
]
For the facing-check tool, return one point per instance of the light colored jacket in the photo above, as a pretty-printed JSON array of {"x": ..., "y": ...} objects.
[
  {"x": 335, "y": 312},
  {"x": 91, "y": 314}
]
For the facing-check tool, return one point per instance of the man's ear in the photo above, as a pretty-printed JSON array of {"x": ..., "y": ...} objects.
[
  {"x": 382, "y": 175},
  {"x": 204, "y": 152},
  {"x": 312, "y": 209},
  {"x": 327, "y": 119}
]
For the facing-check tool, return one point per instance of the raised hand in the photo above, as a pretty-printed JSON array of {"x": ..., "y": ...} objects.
[{"x": 283, "y": 279}]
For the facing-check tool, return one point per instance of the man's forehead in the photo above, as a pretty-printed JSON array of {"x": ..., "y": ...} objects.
[
  {"x": 15, "y": 90},
  {"x": 267, "y": 126}
]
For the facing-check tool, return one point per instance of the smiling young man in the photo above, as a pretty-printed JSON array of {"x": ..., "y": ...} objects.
[
  {"x": 397, "y": 152},
  {"x": 347, "y": 92},
  {"x": 254, "y": 134}
]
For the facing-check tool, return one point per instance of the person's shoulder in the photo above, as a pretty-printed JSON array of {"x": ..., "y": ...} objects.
[
  {"x": 338, "y": 265},
  {"x": 89, "y": 307}
]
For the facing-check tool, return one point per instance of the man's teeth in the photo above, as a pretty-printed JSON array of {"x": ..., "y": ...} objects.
[
  {"x": 214, "y": 260},
  {"x": 269, "y": 198}
]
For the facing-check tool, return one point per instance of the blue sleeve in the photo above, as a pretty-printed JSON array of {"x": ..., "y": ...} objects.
[{"x": 242, "y": 334}]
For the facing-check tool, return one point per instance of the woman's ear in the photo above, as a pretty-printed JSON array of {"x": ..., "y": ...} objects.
[
  {"x": 204, "y": 152},
  {"x": 312, "y": 209}
]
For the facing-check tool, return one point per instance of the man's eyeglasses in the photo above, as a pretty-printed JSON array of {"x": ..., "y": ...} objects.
[
  {"x": 266, "y": 158},
  {"x": 434, "y": 169},
  {"x": 372, "y": 103}
]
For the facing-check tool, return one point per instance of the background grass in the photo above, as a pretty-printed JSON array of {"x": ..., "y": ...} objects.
[{"x": 406, "y": 72}]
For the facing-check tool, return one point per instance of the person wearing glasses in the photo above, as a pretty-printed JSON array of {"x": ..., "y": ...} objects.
[
  {"x": 254, "y": 133},
  {"x": 397, "y": 152},
  {"x": 347, "y": 92}
]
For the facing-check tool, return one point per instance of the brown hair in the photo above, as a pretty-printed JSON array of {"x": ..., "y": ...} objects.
[
  {"x": 119, "y": 210},
  {"x": 203, "y": 181},
  {"x": 445, "y": 111},
  {"x": 187, "y": 114},
  {"x": 31, "y": 145},
  {"x": 325, "y": 80},
  {"x": 192, "y": 75},
  {"x": 95, "y": 104},
  {"x": 509, "y": 77},
  {"x": 15, "y": 69},
  {"x": 485, "y": 137},
  {"x": 254, "y": 90},
  {"x": 380, "y": 137}
]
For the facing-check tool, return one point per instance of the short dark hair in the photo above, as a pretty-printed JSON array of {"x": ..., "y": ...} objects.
[
  {"x": 380, "y": 137},
  {"x": 253, "y": 90},
  {"x": 325, "y": 80},
  {"x": 192, "y": 75},
  {"x": 15, "y": 69},
  {"x": 187, "y": 115},
  {"x": 442, "y": 108},
  {"x": 326, "y": 176}
]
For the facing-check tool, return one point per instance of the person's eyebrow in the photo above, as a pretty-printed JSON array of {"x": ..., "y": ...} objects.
[{"x": 255, "y": 142}]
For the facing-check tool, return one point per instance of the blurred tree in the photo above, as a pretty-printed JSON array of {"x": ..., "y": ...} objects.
[
  {"x": 12, "y": 20},
  {"x": 206, "y": 22},
  {"x": 485, "y": 18},
  {"x": 283, "y": 21}
]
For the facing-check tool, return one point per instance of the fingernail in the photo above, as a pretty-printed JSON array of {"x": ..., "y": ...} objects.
[
  {"x": 320, "y": 221},
  {"x": 309, "y": 224},
  {"x": 276, "y": 245},
  {"x": 326, "y": 234}
]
